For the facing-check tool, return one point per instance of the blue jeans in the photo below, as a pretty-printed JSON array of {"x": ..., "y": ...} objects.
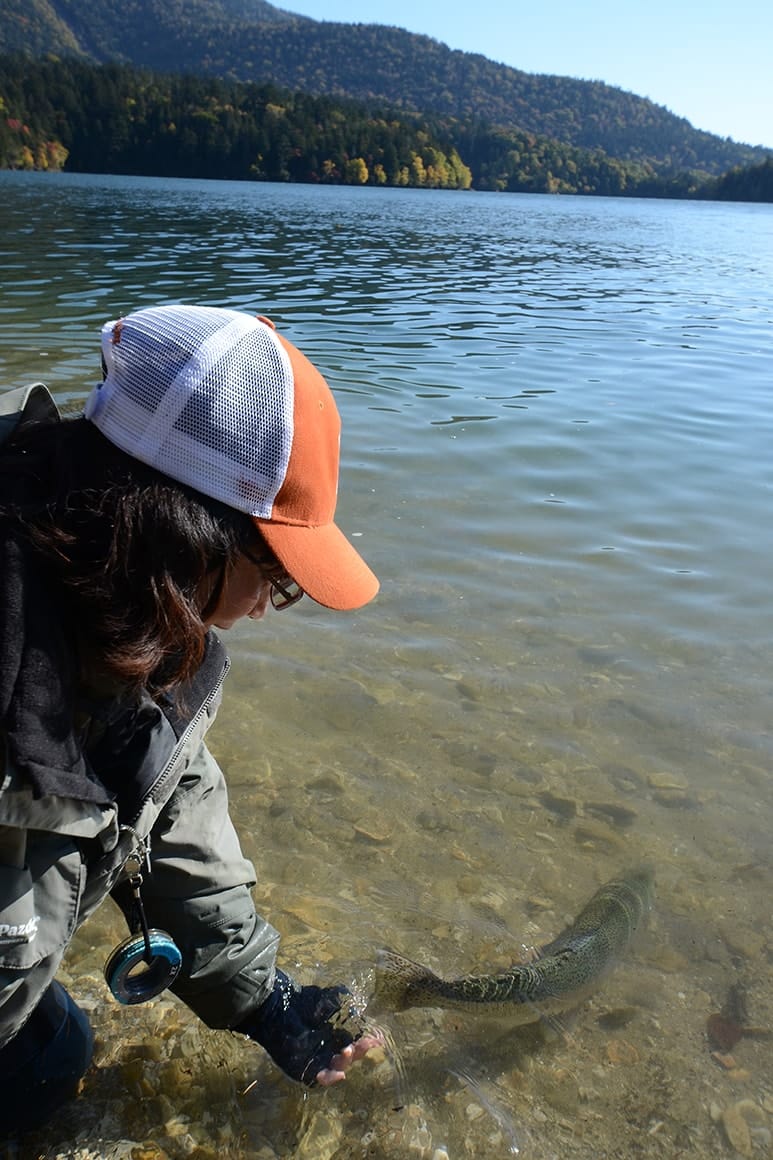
[{"x": 41, "y": 1067}]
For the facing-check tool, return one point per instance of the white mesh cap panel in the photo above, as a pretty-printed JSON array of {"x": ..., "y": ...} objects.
[{"x": 203, "y": 395}]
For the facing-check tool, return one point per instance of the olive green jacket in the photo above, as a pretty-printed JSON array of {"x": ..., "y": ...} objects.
[{"x": 118, "y": 778}]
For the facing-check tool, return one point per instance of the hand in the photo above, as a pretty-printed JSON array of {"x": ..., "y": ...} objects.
[
  {"x": 341, "y": 1062},
  {"x": 304, "y": 1030}
]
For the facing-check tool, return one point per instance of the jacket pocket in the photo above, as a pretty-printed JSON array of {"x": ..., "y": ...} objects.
[{"x": 39, "y": 902}]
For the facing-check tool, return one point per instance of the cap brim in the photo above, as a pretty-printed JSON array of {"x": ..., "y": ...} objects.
[{"x": 323, "y": 562}]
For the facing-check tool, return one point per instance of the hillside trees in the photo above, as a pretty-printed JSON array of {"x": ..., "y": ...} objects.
[
  {"x": 253, "y": 41},
  {"x": 117, "y": 119}
]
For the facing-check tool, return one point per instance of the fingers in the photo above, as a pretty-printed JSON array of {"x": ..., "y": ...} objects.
[
  {"x": 341, "y": 1062},
  {"x": 338, "y": 1067},
  {"x": 329, "y": 1076}
]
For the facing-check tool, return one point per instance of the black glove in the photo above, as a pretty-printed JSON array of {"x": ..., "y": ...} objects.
[{"x": 301, "y": 1028}]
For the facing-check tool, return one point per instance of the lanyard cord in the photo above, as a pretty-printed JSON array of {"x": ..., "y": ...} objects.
[{"x": 132, "y": 865}]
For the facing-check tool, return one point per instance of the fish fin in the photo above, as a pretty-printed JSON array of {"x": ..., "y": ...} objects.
[
  {"x": 394, "y": 977},
  {"x": 560, "y": 1025},
  {"x": 495, "y": 1100},
  {"x": 528, "y": 955}
]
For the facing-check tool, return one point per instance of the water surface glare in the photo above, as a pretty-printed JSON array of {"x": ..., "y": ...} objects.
[{"x": 558, "y": 417}]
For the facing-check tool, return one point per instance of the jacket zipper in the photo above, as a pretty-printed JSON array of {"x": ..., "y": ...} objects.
[{"x": 143, "y": 849}]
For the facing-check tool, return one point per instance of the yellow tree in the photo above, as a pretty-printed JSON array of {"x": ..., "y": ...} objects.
[
  {"x": 356, "y": 171},
  {"x": 418, "y": 172},
  {"x": 462, "y": 174},
  {"x": 57, "y": 154},
  {"x": 437, "y": 172}
]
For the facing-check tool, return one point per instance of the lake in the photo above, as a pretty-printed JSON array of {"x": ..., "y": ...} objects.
[{"x": 558, "y": 416}]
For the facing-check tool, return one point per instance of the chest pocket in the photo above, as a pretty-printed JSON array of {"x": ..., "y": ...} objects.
[{"x": 39, "y": 901}]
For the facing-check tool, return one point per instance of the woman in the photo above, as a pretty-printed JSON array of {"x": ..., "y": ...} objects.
[{"x": 198, "y": 487}]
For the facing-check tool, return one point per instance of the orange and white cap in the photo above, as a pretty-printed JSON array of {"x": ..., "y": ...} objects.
[{"x": 217, "y": 400}]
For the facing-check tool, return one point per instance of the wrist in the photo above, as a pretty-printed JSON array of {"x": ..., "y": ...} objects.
[
  {"x": 273, "y": 1003},
  {"x": 300, "y": 1027}
]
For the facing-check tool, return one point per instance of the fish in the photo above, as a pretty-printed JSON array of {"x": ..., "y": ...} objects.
[{"x": 566, "y": 971}]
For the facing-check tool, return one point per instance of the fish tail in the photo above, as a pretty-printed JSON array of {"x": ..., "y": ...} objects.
[{"x": 396, "y": 976}]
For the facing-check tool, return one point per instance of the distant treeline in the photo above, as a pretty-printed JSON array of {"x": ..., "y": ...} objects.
[
  {"x": 113, "y": 118},
  {"x": 117, "y": 119},
  {"x": 744, "y": 183}
]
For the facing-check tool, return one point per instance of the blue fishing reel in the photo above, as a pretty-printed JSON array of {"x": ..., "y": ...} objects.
[
  {"x": 149, "y": 960},
  {"x": 143, "y": 966}
]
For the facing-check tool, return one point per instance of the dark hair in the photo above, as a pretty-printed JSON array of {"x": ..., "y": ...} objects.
[{"x": 131, "y": 550}]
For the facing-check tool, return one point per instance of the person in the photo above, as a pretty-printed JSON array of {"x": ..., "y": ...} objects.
[{"x": 197, "y": 488}]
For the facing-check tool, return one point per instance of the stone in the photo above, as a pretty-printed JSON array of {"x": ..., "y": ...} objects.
[{"x": 737, "y": 1131}]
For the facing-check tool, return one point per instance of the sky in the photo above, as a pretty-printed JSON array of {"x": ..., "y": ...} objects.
[{"x": 710, "y": 61}]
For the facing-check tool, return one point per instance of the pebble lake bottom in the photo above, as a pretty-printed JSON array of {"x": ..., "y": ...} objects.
[{"x": 558, "y": 417}]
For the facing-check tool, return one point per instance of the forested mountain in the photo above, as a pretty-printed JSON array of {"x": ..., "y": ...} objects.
[
  {"x": 119, "y": 119},
  {"x": 252, "y": 40}
]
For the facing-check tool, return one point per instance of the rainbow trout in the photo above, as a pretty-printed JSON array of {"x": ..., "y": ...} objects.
[{"x": 564, "y": 973}]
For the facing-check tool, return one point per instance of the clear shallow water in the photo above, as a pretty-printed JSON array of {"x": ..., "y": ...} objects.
[{"x": 557, "y": 422}]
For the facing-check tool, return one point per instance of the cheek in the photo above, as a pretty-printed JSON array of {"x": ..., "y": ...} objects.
[{"x": 243, "y": 595}]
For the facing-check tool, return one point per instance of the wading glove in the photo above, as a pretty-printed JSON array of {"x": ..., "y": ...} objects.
[{"x": 301, "y": 1028}]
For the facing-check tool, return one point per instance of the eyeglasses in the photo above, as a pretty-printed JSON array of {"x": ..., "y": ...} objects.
[
  {"x": 284, "y": 591},
  {"x": 285, "y": 594}
]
